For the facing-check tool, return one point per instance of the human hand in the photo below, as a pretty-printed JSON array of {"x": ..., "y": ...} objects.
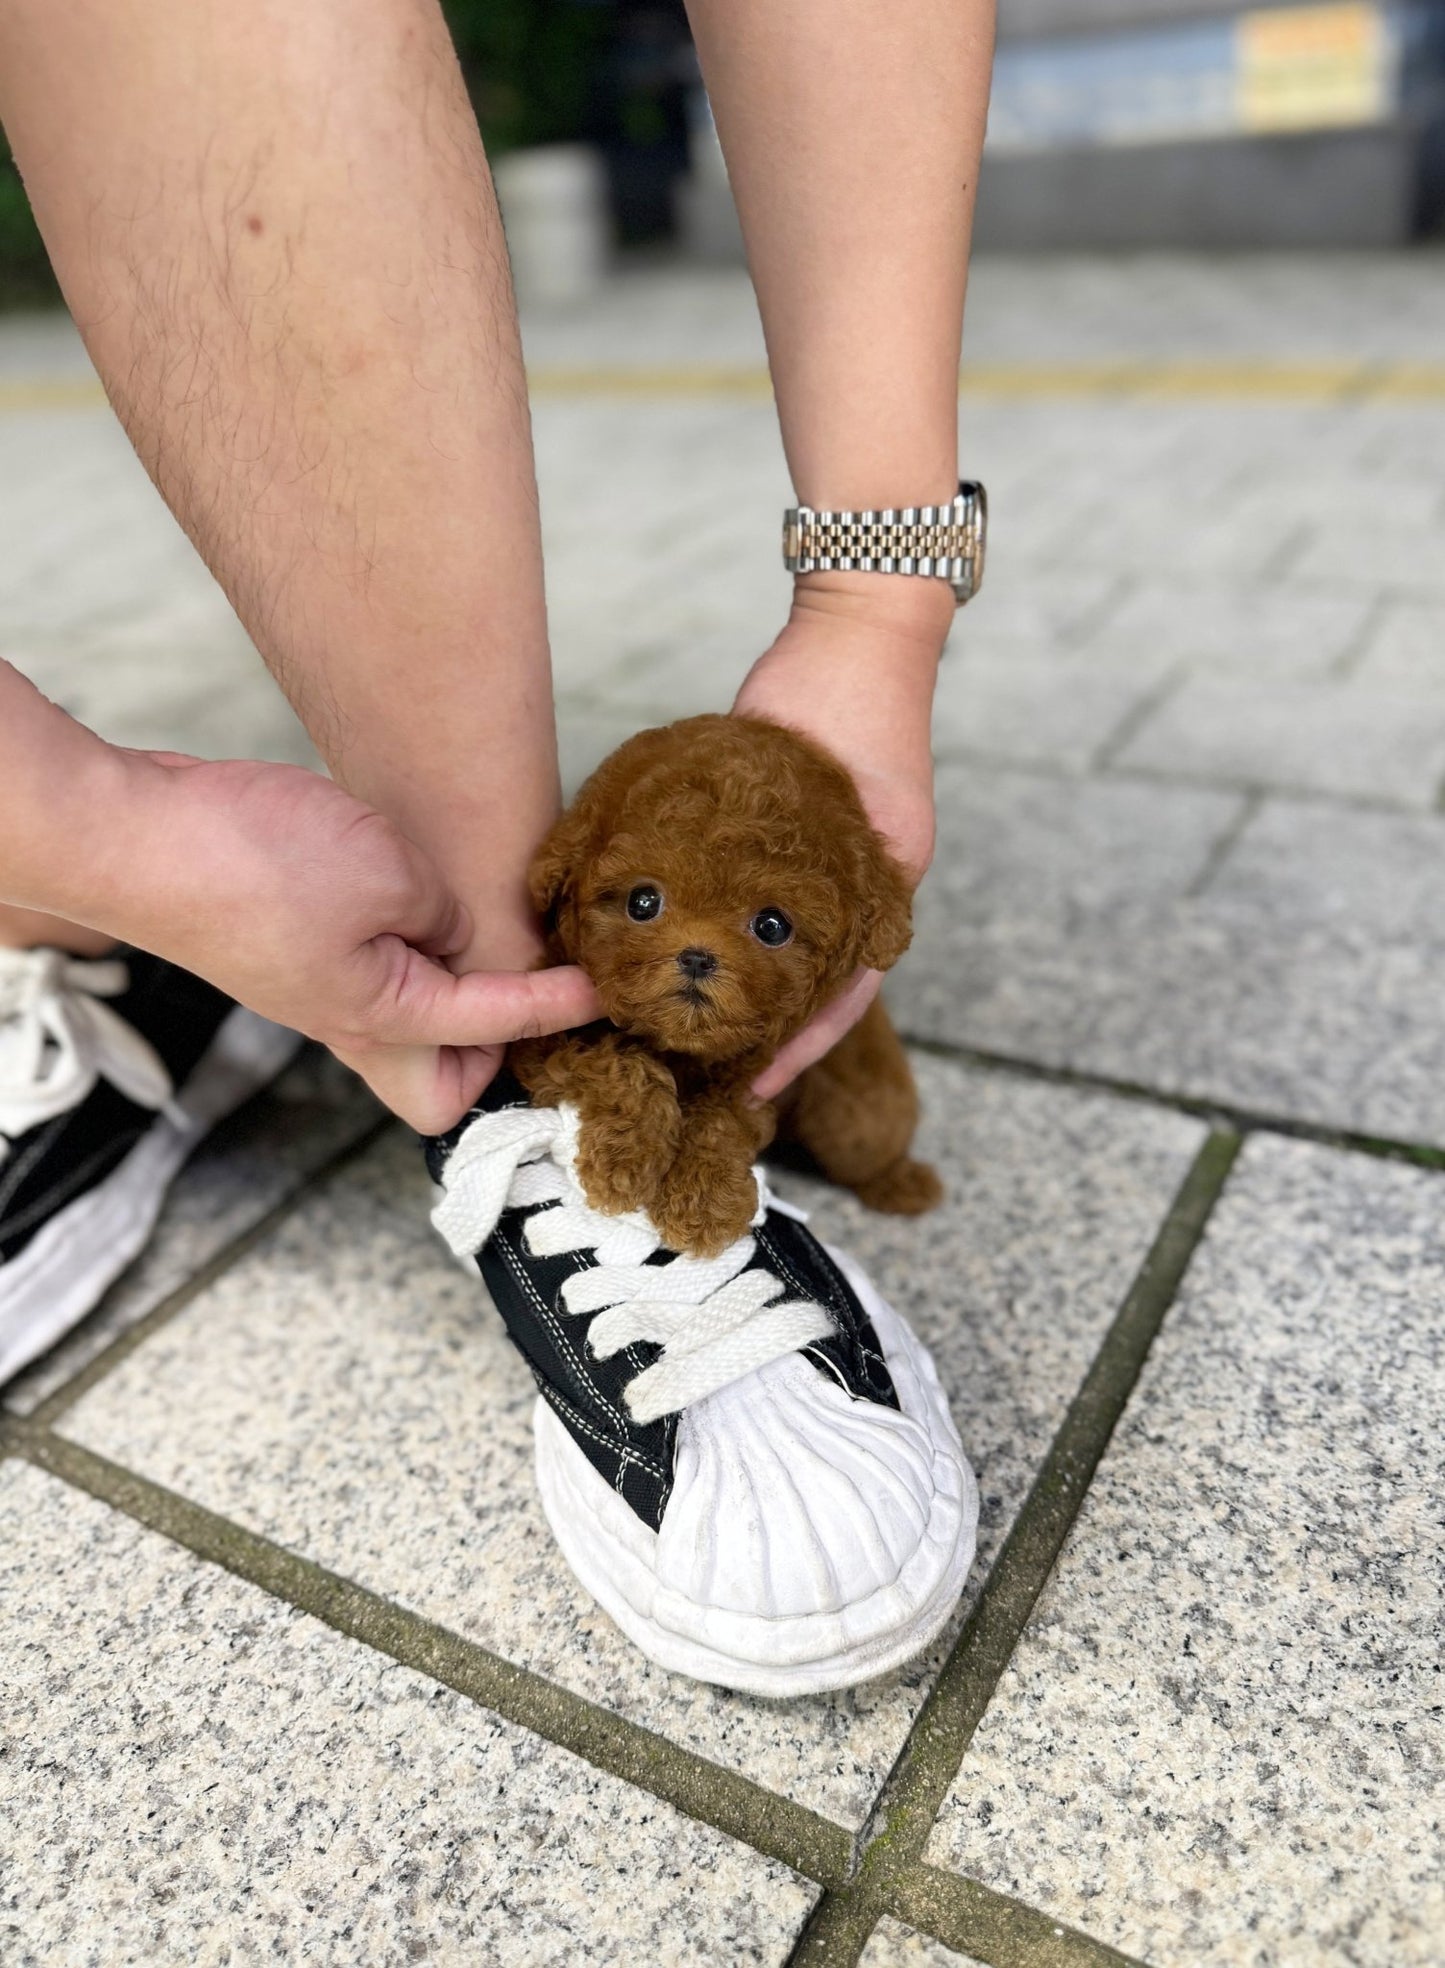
[
  {"x": 855, "y": 669},
  {"x": 312, "y": 909}
]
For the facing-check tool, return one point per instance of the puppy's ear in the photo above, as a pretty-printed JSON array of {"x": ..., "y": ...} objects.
[
  {"x": 885, "y": 905},
  {"x": 582, "y": 830}
]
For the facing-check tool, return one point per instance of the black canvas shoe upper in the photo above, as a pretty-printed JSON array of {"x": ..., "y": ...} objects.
[
  {"x": 46, "y": 1166},
  {"x": 587, "y": 1392}
]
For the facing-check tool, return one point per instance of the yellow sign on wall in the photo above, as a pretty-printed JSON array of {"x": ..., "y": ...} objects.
[{"x": 1305, "y": 68}]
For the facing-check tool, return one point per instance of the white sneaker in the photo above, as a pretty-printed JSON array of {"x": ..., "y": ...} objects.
[
  {"x": 747, "y": 1460},
  {"x": 110, "y": 1073}
]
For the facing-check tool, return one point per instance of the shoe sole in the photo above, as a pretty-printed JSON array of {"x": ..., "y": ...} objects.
[
  {"x": 613, "y": 1554},
  {"x": 66, "y": 1268}
]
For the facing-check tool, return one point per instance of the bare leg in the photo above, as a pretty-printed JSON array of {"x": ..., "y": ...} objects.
[{"x": 276, "y": 230}]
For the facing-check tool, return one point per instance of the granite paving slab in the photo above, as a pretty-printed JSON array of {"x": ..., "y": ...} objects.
[
  {"x": 1335, "y": 548},
  {"x": 895, "y": 1945},
  {"x": 1048, "y": 610},
  {"x": 1304, "y": 861},
  {"x": 252, "y": 1162},
  {"x": 347, "y": 1391},
  {"x": 108, "y": 608},
  {"x": 193, "y": 1772},
  {"x": 1407, "y": 649},
  {"x": 678, "y": 669},
  {"x": 1054, "y": 709},
  {"x": 1018, "y": 847},
  {"x": 1338, "y": 738},
  {"x": 1222, "y": 1737},
  {"x": 209, "y": 695},
  {"x": 1397, "y": 440},
  {"x": 1174, "y": 521},
  {"x": 1383, "y": 548},
  {"x": 1407, "y": 500},
  {"x": 1060, "y": 925},
  {"x": 1044, "y": 453},
  {"x": 663, "y": 584},
  {"x": 91, "y": 539},
  {"x": 1275, "y": 629}
]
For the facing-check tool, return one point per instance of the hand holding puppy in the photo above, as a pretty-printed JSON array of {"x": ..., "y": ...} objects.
[{"x": 855, "y": 669}]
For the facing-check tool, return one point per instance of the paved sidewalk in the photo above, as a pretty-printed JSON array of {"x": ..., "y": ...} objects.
[{"x": 291, "y": 1670}]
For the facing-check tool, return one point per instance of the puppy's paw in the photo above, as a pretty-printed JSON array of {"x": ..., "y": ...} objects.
[
  {"x": 905, "y": 1188},
  {"x": 629, "y": 1135},
  {"x": 618, "y": 1170},
  {"x": 704, "y": 1206}
]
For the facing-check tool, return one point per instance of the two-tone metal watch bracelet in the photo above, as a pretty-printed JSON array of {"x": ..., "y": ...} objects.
[{"x": 945, "y": 543}]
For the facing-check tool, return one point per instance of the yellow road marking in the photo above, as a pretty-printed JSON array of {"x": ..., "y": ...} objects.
[
  {"x": 685, "y": 381},
  {"x": 1315, "y": 382},
  {"x": 52, "y": 393},
  {"x": 1306, "y": 382}
]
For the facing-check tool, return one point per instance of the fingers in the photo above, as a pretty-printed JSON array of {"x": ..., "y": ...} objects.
[
  {"x": 411, "y": 1060},
  {"x": 428, "y": 1087},
  {"x": 819, "y": 1035}
]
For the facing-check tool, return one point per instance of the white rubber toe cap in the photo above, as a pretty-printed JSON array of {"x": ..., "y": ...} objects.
[
  {"x": 811, "y": 1540},
  {"x": 791, "y": 1498}
]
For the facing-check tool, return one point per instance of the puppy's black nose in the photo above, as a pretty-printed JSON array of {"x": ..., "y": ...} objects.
[{"x": 696, "y": 964}]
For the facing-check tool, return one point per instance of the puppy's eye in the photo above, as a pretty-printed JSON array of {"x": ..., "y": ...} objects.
[
  {"x": 644, "y": 904},
  {"x": 772, "y": 927}
]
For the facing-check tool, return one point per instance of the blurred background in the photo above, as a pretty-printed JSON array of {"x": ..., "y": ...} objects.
[
  {"x": 1191, "y": 735},
  {"x": 1115, "y": 123}
]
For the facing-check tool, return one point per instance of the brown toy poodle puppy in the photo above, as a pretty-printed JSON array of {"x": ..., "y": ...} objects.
[{"x": 719, "y": 881}]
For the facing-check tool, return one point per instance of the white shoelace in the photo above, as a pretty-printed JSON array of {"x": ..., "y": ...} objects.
[
  {"x": 714, "y": 1320},
  {"x": 58, "y": 1038}
]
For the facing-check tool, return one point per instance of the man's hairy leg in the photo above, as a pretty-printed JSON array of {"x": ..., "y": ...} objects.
[{"x": 276, "y": 230}]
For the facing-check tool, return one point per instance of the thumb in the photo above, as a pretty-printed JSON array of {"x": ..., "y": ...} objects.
[
  {"x": 421, "y": 1003},
  {"x": 431, "y": 917}
]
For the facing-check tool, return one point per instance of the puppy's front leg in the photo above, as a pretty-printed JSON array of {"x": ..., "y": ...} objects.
[
  {"x": 626, "y": 1102},
  {"x": 708, "y": 1195}
]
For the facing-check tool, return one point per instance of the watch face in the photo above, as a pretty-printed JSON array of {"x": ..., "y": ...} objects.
[{"x": 972, "y": 489}]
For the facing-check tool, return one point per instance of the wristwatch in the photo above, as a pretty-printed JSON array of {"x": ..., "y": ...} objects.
[{"x": 945, "y": 543}]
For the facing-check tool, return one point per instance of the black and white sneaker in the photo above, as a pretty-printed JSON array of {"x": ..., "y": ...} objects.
[
  {"x": 110, "y": 1073},
  {"x": 747, "y": 1460}
]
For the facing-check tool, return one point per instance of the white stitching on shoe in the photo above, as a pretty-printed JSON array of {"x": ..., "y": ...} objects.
[
  {"x": 624, "y": 1451},
  {"x": 557, "y": 1330},
  {"x": 778, "y": 1259}
]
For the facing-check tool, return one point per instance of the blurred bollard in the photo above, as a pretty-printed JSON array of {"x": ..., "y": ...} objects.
[{"x": 554, "y": 208}]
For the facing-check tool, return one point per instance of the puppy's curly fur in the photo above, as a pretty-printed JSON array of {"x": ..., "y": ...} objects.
[{"x": 719, "y": 881}]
